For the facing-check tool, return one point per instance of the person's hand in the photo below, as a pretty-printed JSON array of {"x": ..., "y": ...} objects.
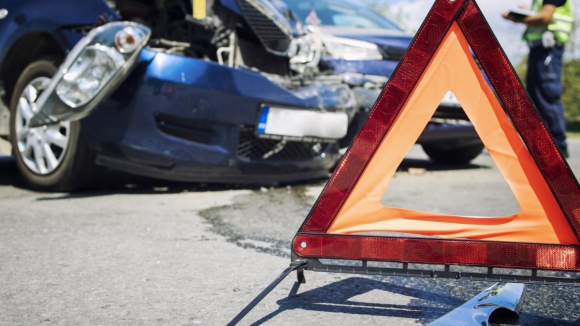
[
  {"x": 506, "y": 15},
  {"x": 510, "y": 17}
]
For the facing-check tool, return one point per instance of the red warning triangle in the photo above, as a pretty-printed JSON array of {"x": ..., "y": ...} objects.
[{"x": 543, "y": 235}]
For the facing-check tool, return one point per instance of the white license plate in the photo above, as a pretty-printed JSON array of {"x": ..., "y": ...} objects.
[{"x": 302, "y": 123}]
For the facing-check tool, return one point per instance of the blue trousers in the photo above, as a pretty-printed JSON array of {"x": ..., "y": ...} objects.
[{"x": 544, "y": 84}]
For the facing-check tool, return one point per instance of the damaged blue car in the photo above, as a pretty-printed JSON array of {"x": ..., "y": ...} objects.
[
  {"x": 226, "y": 91},
  {"x": 200, "y": 91}
]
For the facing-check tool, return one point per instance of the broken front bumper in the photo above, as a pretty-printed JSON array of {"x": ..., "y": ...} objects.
[{"x": 186, "y": 119}]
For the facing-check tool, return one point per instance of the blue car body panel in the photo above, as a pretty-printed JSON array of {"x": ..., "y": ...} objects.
[
  {"x": 202, "y": 92},
  {"x": 175, "y": 117},
  {"x": 382, "y": 40},
  {"x": 52, "y": 18},
  {"x": 232, "y": 5}
]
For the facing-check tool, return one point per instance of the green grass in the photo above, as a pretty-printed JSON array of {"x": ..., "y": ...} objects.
[
  {"x": 573, "y": 130},
  {"x": 573, "y": 134}
]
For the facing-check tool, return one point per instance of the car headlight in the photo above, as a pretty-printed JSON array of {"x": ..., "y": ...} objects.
[
  {"x": 305, "y": 52},
  {"x": 93, "y": 69},
  {"x": 129, "y": 39},
  {"x": 348, "y": 49},
  {"x": 304, "y": 49},
  {"x": 98, "y": 63}
]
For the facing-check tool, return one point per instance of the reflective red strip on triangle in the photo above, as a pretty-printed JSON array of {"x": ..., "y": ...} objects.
[
  {"x": 312, "y": 241},
  {"x": 438, "y": 251},
  {"x": 519, "y": 107},
  {"x": 385, "y": 111}
]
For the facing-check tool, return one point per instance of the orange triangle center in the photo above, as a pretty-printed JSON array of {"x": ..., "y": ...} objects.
[{"x": 540, "y": 220}]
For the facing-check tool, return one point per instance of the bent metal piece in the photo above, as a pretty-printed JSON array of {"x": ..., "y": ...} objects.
[
  {"x": 110, "y": 45},
  {"x": 476, "y": 312}
]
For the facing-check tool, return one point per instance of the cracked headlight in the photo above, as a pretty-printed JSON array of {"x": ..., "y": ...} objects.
[
  {"x": 348, "y": 49},
  {"x": 305, "y": 52},
  {"x": 97, "y": 64},
  {"x": 94, "y": 68}
]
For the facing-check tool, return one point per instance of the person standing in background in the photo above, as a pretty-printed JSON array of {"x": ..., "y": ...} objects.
[{"x": 548, "y": 30}]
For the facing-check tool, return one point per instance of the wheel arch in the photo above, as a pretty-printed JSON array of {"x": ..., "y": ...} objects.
[
  {"x": 24, "y": 51},
  {"x": 73, "y": 160}
]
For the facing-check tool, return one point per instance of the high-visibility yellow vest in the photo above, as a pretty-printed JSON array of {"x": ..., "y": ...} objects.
[{"x": 561, "y": 25}]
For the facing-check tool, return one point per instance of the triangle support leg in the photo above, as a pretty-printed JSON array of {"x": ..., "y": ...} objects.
[
  {"x": 300, "y": 275},
  {"x": 295, "y": 265}
]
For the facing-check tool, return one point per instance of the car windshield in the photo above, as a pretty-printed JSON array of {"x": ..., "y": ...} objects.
[{"x": 338, "y": 13}]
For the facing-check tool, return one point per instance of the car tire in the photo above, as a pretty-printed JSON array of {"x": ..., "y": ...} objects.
[
  {"x": 452, "y": 153},
  {"x": 50, "y": 158}
]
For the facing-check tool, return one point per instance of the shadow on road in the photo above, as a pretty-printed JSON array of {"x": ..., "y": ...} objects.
[
  {"x": 122, "y": 183},
  {"x": 115, "y": 183},
  {"x": 341, "y": 297},
  {"x": 9, "y": 174},
  {"x": 422, "y": 304}
]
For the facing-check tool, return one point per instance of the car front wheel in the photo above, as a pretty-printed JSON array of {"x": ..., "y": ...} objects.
[
  {"x": 453, "y": 153},
  {"x": 52, "y": 157}
]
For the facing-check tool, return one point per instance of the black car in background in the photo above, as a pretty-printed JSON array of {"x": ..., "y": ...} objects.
[{"x": 358, "y": 40}]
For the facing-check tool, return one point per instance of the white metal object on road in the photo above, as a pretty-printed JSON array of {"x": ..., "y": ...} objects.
[{"x": 476, "y": 312}]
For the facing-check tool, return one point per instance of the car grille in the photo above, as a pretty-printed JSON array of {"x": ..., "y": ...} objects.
[
  {"x": 271, "y": 35},
  {"x": 189, "y": 129},
  {"x": 254, "y": 148},
  {"x": 393, "y": 53}
]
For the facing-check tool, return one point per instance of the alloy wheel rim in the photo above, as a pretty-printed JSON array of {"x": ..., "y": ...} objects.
[{"x": 42, "y": 149}]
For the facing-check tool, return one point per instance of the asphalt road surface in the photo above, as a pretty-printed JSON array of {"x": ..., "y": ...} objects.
[{"x": 145, "y": 252}]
